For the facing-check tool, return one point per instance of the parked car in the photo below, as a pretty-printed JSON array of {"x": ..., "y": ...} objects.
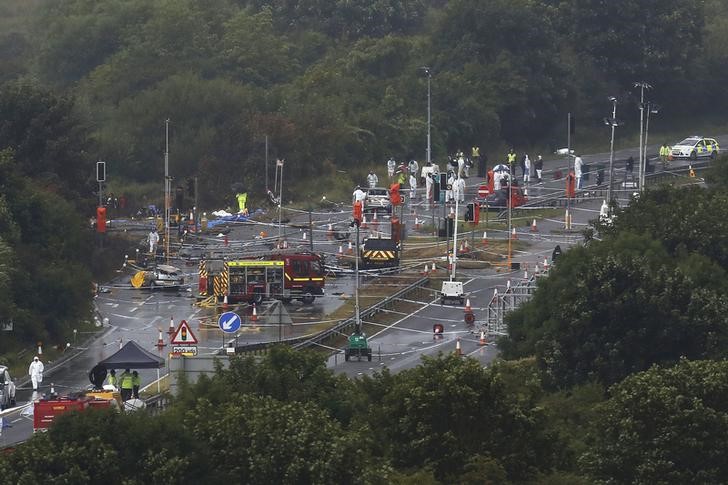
[
  {"x": 7, "y": 389},
  {"x": 378, "y": 200},
  {"x": 696, "y": 147}
]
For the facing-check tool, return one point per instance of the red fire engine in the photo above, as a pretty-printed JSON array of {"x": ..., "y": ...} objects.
[{"x": 280, "y": 276}]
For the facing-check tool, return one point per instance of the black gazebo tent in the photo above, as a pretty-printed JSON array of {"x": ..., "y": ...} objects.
[{"x": 132, "y": 356}]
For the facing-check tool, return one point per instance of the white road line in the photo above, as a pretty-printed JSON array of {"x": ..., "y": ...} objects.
[
  {"x": 117, "y": 315},
  {"x": 412, "y": 314}
]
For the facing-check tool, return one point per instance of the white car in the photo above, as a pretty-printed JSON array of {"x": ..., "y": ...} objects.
[
  {"x": 695, "y": 147},
  {"x": 7, "y": 389},
  {"x": 378, "y": 200}
]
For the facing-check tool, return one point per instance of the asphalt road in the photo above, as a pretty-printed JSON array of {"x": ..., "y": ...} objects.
[{"x": 139, "y": 314}]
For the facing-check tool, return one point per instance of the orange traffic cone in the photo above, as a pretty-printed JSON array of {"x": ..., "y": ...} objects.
[
  {"x": 467, "y": 247},
  {"x": 692, "y": 172},
  {"x": 254, "y": 316},
  {"x": 485, "y": 238},
  {"x": 363, "y": 224},
  {"x": 482, "y": 340},
  {"x": 225, "y": 305},
  {"x": 462, "y": 248},
  {"x": 514, "y": 235},
  {"x": 417, "y": 223},
  {"x": 545, "y": 264},
  {"x": 330, "y": 232},
  {"x": 171, "y": 325},
  {"x": 341, "y": 251},
  {"x": 434, "y": 268},
  {"x": 350, "y": 249},
  {"x": 458, "y": 349},
  {"x": 534, "y": 228},
  {"x": 426, "y": 271},
  {"x": 467, "y": 306},
  {"x": 160, "y": 341}
]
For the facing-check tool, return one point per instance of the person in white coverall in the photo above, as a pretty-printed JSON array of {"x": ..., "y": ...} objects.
[
  {"x": 391, "y": 165},
  {"x": 428, "y": 186},
  {"x": 36, "y": 372},
  {"x": 458, "y": 189},
  {"x": 153, "y": 240},
  {"x": 372, "y": 179}
]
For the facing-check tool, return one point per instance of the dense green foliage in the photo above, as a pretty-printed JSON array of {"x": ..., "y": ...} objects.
[
  {"x": 664, "y": 426},
  {"x": 651, "y": 291},
  {"x": 334, "y": 83}
]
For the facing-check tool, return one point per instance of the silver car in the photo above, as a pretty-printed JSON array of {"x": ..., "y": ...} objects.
[
  {"x": 378, "y": 200},
  {"x": 7, "y": 389}
]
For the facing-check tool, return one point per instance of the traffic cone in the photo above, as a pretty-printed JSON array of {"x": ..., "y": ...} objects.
[
  {"x": 458, "y": 350},
  {"x": 467, "y": 247},
  {"x": 692, "y": 172},
  {"x": 534, "y": 228},
  {"x": 426, "y": 271},
  {"x": 525, "y": 275},
  {"x": 452, "y": 212},
  {"x": 495, "y": 292},
  {"x": 514, "y": 235},
  {"x": 304, "y": 235},
  {"x": 350, "y": 249},
  {"x": 537, "y": 270},
  {"x": 508, "y": 285},
  {"x": 330, "y": 232},
  {"x": 545, "y": 264},
  {"x": 171, "y": 325},
  {"x": 160, "y": 341},
  {"x": 341, "y": 251},
  {"x": 468, "y": 309},
  {"x": 363, "y": 224},
  {"x": 482, "y": 338},
  {"x": 53, "y": 389},
  {"x": 417, "y": 223},
  {"x": 40, "y": 348},
  {"x": 285, "y": 244},
  {"x": 225, "y": 305},
  {"x": 485, "y": 238},
  {"x": 462, "y": 248},
  {"x": 254, "y": 316}
]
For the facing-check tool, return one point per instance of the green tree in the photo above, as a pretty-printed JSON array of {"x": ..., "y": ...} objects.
[
  {"x": 446, "y": 411},
  {"x": 664, "y": 425},
  {"x": 613, "y": 309}
]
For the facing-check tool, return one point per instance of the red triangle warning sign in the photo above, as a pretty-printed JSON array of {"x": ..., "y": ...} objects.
[{"x": 183, "y": 335}]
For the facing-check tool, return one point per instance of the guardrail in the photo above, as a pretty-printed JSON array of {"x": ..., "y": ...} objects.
[{"x": 368, "y": 312}]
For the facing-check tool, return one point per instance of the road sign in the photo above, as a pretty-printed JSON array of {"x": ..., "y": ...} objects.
[
  {"x": 183, "y": 335},
  {"x": 483, "y": 191},
  {"x": 229, "y": 322},
  {"x": 186, "y": 350}
]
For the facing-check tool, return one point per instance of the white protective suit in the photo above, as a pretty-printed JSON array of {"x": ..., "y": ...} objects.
[
  {"x": 36, "y": 372},
  {"x": 153, "y": 240},
  {"x": 458, "y": 189},
  {"x": 372, "y": 180}
]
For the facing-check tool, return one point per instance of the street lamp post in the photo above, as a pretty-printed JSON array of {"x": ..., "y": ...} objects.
[
  {"x": 428, "y": 72},
  {"x": 643, "y": 141},
  {"x": 613, "y": 123},
  {"x": 654, "y": 109}
]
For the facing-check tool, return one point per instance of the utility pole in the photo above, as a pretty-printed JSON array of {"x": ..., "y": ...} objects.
[
  {"x": 196, "y": 213},
  {"x": 266, "y": 164},
  {"x": 429, "y": 114},
  {"x": 613, "y": 123},
  {"x": 642, "y": 165},
  {"x": 167, "y": 188},
  {"x": 568, "y": 169},
  {"x": 356, "y": 286}
]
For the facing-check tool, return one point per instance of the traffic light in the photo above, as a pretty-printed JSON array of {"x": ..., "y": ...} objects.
[
  {"x": 394, "y": 196},
  {"x": 101, "y": 220},
  {"x": 101, "y": 171},
  {"x": 357, "y": 212},
  {"x": 470, "y": 212},
  {"x": 436, "y": 192}
]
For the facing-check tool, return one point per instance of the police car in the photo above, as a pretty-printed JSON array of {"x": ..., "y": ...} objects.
[{"x": 695, "y": 147}]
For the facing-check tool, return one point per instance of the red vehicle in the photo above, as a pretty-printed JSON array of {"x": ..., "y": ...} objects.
[
  {"x": 46, "y": 410},
  {"x": 281, "y": 276}
]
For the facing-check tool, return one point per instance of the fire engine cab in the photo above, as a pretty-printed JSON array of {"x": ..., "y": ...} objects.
[{"x": 280, "y": 276}]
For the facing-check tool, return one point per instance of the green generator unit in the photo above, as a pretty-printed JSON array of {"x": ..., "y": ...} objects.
[{"x": 358, "y": 346}]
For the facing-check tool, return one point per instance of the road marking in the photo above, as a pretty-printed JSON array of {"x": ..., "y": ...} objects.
[
  {"x": 122, "y": 316},
  {"x": 134, "y": 309}
]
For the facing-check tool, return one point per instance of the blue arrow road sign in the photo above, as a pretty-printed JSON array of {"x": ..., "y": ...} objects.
[{"x": 229, "y": 322}]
